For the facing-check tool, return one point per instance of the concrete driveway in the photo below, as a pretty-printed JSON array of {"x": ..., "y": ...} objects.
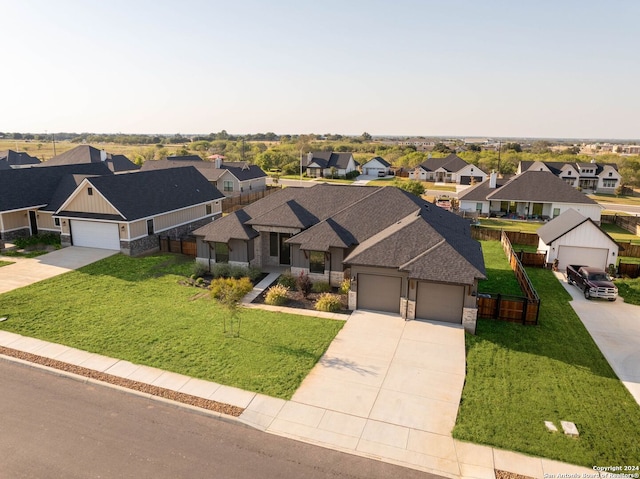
[
  {"x": 26, "y": 271},
  {"x": 385, "y": 387},
  {"x": 615, "y": 327}
]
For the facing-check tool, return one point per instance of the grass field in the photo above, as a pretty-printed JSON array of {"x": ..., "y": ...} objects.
[
  {"x": 134, "y": 309},
  {"x": 518, "y": 377},
  {"x": 510, "y": 225},
  {"x": 613, "y": 199},
  {"x": 620, "y": 234}
]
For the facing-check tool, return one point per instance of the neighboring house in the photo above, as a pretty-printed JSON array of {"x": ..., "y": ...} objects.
[
  {"x": 530, "y": 195},
  {"x": 88, "y": 154},
  {"x": 451, "y": 169},
  {"x": 231, "y": 178},
  {"x": 327, "y": 164},
  {"x": 26, "y": 194},
  {"x": 588, "y": 177},
  {"x": 572, "y": 238},
  {"x": 402, "y": 254},
  {"x": 127, "y": 212},
  {"x": 14, "y": 159},
  {"x": 376, "y": 166}
]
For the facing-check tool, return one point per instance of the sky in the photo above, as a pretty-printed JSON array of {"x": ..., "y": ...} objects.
[{"x": 510, "y": 68}]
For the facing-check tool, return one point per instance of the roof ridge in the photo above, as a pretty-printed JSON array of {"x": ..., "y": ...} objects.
[{"x": 425, "y": 252}]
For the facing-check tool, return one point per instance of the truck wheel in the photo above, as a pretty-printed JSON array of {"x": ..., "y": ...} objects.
[
  {"x": 586, "y": 293},
  {"x": 569, "y": 280},
  {"x": 612, "y": 299}
]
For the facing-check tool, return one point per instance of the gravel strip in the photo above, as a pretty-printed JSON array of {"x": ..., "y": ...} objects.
[
  {"x": 126, "y": 383},
  {"x": 510, "y": 475}
]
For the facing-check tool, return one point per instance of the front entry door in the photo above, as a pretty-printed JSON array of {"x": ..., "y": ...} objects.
[
  {"x": 34, "y": 223},
  {"x": 285, "y": 249}
]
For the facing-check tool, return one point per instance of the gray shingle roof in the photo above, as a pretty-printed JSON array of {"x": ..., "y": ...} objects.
[
  {"x": 88, "y": 154},
  {"x": 148, "y": 193},
  {"x": 328, "y": 159},
  {"x": 380, "y": 160},
  {"x": 242, "y": 171},
  {"x": 14, "y": 158},
  {"x": 227, "y": 228},
  {"x": 539, "y": 186},
  {"x": 480, "y": 191},
  {"x": 563, "y": 224},
  {"x": 27, "y": 187},
  {"x": 556, "y": 166},
  {"x": 450, "y": 163}
]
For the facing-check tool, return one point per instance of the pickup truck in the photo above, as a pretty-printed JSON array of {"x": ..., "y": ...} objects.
[{"x": 594, "y": 282}]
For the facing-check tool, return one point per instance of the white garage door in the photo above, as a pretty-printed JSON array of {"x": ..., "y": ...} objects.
[
  {"x": 379, "y": 293},
  {"x": 93, "y": 234},
  {"x": 440, "y": 302},
  {"x": 596, "y": 257}
]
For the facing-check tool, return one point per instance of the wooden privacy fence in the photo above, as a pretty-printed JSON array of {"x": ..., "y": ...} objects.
[
  {"x": 524, "y": 310},
  {"x": 629, "y": 223},
  {"x": 517, "y": 237},
  {"x": 186, "y": 246},
  {"x": 632, "y": 270},
  {"x": 234, "y": 203},
  {"x": 629, "y": 249},
  {"x": 532, "y": 259}
]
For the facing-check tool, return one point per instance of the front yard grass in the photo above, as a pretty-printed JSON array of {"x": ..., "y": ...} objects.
[
  {"x": 613, "y": 199},
  {"x": 518, "y": 377},
  {"x": 134, "y": 309}
]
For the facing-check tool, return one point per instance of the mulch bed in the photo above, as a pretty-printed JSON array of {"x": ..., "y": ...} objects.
[
  {"x": 297, "y": 300},
  {"x": 510, "y": 475},
  {"x": 126, "y": 383}
]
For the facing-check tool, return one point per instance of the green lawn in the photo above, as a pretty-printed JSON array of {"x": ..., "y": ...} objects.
[
  {"x": 518, "y": 377},
  {"x": 5, "y": 263},
  {"x": 619, "y": 200},
  {"x": 500, "y": 277},
  {"x": 620, "y": 234},
  {"x": 629, "y": 289},
  {"x": 134, "y": 309},
  {"x": 509, "y": 225}
]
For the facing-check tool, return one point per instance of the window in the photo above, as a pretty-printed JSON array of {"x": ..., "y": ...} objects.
[
  {"x": 316, "y": 262},
  {"x": 56, "y": 221},
  {"x": 227, "y": 185},
  {"x": 273, "y": 244},
  {"x": 221, "y": 251},
  {"x": 569, "y": 173},
  {"x": 207, "y": 209},
  {"x": 606, "y": 183},
  {"x": 479, "y": 207},
  {"x": 90, "y": 191},
  {"x": 556, "y": 212},
  {"x": 150, "y": 227},
  {"x": 610, "y": 173}
]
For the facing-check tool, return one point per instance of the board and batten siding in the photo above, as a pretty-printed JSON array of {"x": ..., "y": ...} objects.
[
  {"x": 15, "y": 220},
  {"x": 138, "y": 229},
  {"x": 238, "y": 251},
  {"x": 94, "y": 203},
  {"x": 587, "y": 235},
  {"x": 46, "y": 222}
]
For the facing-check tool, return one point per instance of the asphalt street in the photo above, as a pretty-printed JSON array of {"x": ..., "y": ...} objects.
[{"x": 56, "y": 427}]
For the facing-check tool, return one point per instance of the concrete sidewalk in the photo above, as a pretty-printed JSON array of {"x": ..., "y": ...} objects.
[
  {"x": 26, "y": 271},
  {"x": 381, "y": 435}
]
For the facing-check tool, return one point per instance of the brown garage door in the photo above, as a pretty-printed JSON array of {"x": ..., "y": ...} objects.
[
  {"x": 379, "y": 293},
  {"x": 440, "y": 302}
]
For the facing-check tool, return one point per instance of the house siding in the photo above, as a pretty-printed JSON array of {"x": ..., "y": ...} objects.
[
  {"x": 138, "y": 228},
  {"x": 226, "y": 176},
  {"x": 15, "y": 220},
  {"x": 151, "y": 243},
  {"x": 46, "y": 222},
  {"x": 170, "y": 220},
  {"x": 586, "y": 235},
  {"x": 95, "y": 203}
]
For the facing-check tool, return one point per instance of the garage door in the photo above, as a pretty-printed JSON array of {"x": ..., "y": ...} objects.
[
  {"x": 440, "y": 302},
  {"x": 379, "y": 293},
  {"x": 93, "y": 234},
  {"x": 596, "y": 257}
]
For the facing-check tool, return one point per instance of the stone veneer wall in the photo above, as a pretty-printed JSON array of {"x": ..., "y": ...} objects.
[
  {"x": 11, "y": 235},
  {"x": 150, "y": 244}
]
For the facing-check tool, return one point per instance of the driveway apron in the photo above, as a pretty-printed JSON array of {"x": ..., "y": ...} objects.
[{"x": 27, "y": 271}]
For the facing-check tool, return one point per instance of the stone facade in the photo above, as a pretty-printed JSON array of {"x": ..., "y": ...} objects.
[
  {"x": 11, "y": 235},
  {"x": 469, "y": 318},
  {"x": 65, "y": 240},
  {"x": 148, "y": 244}
]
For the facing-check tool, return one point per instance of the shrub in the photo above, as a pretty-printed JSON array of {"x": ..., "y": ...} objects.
[
  {"x": 287, "y": 279},
  {"x": 198, "y": 270},
  {"x": 238, "y": 272},
  {"x": 230, "y": 290},
  {"x": 321, "y": 287},
  {"x": 329, "y": 302},
  {"x": 277, "y": 295},
  {"x": 44, "y": 238},
  {"x": 254, "y": 273},
  {"x": 220, "y": 270},
  {"x": 345, "y": 286},
  {"x": 303, "y": 284}
]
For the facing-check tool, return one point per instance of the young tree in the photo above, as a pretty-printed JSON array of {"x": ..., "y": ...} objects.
[
  {"x": 228, "y": 292},
  {"x": 412, "y": 186}
]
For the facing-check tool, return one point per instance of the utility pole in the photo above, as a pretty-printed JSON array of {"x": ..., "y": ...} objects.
[
  {"x": 301, "y": 166},
  {"x": 499, "y": 150}
]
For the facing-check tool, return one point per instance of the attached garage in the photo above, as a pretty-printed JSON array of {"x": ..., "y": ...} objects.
[
  {"x": 95, "y": 234},
  {"x": 439, "y": 302},
  {"x": 596, "y": 257},
  {"x": 379, "y": 293}
]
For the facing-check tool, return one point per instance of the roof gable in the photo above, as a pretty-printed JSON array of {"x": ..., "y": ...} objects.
[
  {"x": 564, "y": 223},
  {"x": 451, "y": 163},
  {"x": 539, "y": 186},
  {"x": 88, "y": 154},
  {"x": 12, "y": 158}
]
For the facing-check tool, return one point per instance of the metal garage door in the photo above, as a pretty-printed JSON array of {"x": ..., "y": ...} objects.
[
  {"x": 440, "y": 302},
  {"x": 93, "y": 234},
  {"x": 584, "y": 256},
  {"x": 379, "y": 293}
]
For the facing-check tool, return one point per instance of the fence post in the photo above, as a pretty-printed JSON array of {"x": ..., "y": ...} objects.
[
  {"x": 496, "y": 313},
  {"x": 524, "y": 312}
]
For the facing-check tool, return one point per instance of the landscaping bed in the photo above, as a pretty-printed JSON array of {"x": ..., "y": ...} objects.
[{"x": 296, "y": 299}]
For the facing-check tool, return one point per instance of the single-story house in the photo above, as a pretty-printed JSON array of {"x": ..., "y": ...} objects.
[
  {"x": 572, "y": 238},
  {"x": 401, "y": 253},
  {"x": 230, "y": 178},
  {"x": 589, "y": 177},
  {"x": 321, "y": 164},
  {"x": 16, "y": 159},
  {"x": 88, "y": 154},
  {"x": 26, "y": 193},
  {"x": 376, "y": 166},
  {"x": 451, "y": 169},
  {"x": 529, "y": 195},
  {"x": 128, "y": 212}
]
